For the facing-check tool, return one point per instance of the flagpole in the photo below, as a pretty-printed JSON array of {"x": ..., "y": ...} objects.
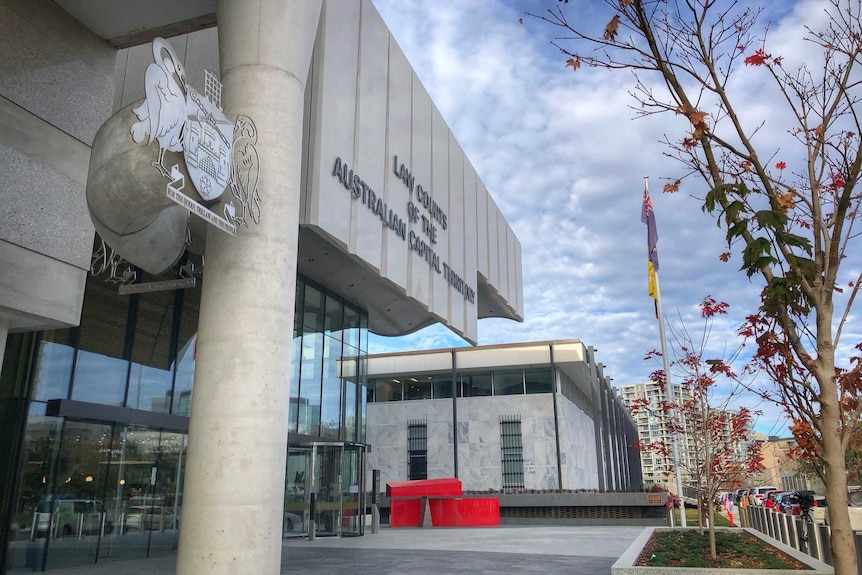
[{"x": 670, "y": 390}]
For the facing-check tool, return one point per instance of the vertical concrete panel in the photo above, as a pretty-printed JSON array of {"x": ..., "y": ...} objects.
[
  {"x": 493, "y": 244},
  {"x": 471, "y": 310},
  {"x": 519, "y": 279},
  {"x": 455, "y": 233},
  {"x": 398, "y": 143},
  {"x": 511, "y": 267},
  {"x": 482, "y": 264},
  {"x": 329, "y": 202},
  {"x": 503, "y": 255},
  {"x": 440, "y": 193},
  {"x": 419, "y": 286},
  {"x": 372, "y": 159}
]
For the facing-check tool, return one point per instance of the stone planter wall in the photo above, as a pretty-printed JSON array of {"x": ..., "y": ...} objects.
[{"x": 625, "y": 565}]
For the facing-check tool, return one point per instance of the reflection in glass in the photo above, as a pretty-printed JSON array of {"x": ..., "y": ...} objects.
[
  {"x": 334, "y": 317},
  {"x": 442, "y": 387},
  {"x": 293, "y": 413},
  {"x": 476, "y": 384},
  {"x": 151, "y": 375},
  {"x": 100, "y": 378},
  {"x": 54, "y": 365},
  {"x": 538, "y": 381},
  {"x": 418, "y": 387},
  {"x": 350, "y": 422},
  {"x": 387, "y": 389},
  {"x": 509, "y": 382},
  {"x": 185, "y": 357},
  {"x": 330, "y": 406},
  {"x": 102, "y": 363},
  {"x": 310, "y": 375}
]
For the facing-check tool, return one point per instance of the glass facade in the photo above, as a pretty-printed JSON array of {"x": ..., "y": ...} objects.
[
  {"x": 467, "y": 384},
  {"x": 97, "y": 418}
]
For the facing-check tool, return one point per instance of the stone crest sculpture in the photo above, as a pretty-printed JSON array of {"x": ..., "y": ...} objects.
[{"x": 172, "y": 154}]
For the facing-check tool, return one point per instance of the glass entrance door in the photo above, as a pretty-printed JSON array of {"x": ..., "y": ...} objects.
[
  {"x": 297, "y": 490},
  {"x": 327, "y": 482},
  {"x": 353, "y": 492}
]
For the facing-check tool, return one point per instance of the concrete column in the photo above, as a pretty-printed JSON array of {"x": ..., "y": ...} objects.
[
  {"x": 233, "y": 506},
  {"x": 4, "y": 333}
]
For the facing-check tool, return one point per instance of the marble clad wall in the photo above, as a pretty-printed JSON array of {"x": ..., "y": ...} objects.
[
  {"x": 479, "y": 452},
  {"x": 578, "y": 443}
]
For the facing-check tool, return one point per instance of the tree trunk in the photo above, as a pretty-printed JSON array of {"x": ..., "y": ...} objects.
[{"x": 842, "y": 539}]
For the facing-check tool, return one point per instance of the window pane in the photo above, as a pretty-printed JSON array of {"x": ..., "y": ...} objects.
[
  {"x": 350, "y": 422},
  {"x": 330, "y": 407},
  {"x": 476, "y": 384},
  {"x": 509, "y": 382},
  {"x": 309, "y": 383},
  {"x": 334, "y": 318},
  {"x": 418, "y": 388},
  {"x": 187, "y": 343},
  {"x": 54, "y": 365},
  {"x": 351, "y": 326},
  {"x": 312, "y": 310},
  {"x": 442, "y": 386},
  {"x": 539, "y": 381},
  {"x": 295, "y": 353},
  {"x": 152, "y": 358},
  {"x": 387, "y": 390},
  {"x": 102, "y": 366}
]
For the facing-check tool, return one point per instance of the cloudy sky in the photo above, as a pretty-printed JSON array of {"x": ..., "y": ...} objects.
[{"x": 564, "y": 157}]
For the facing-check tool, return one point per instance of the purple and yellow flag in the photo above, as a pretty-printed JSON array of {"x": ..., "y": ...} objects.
[{"x": 648, "y": 217}]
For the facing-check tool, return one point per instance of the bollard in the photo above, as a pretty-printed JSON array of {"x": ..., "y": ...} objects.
[{"x": 312, "y": 516}]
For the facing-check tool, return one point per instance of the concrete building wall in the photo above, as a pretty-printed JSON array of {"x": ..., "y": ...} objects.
[
  {"x": 578, "y": 454},
  {"x": 56, "y": 89},
  {"x": 479, "y": 449}
]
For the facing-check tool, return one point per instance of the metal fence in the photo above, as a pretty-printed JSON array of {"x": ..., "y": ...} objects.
[{"x": 789, "y": 529}]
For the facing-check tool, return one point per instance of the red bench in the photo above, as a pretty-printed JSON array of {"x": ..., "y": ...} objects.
[{"x": 438, "y": 503}]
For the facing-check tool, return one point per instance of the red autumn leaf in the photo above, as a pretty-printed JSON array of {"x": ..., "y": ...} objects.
[
  {"x": 780, "y": 165},
  {"x": 671, "y": 188},
  {"x": 724, "y": 257},
  {"x": 689, "y": 143},
  {"x": 837, "y": 181},
  {"x": 759, "y": 58}
]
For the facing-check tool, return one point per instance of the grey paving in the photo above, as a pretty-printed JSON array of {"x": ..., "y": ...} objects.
[{"x": 548, "y": 550}]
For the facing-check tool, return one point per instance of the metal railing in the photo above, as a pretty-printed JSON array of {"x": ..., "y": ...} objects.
[{"x": 790, "y": 530}]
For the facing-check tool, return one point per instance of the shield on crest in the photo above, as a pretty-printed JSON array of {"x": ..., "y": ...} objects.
[{"x": 207, "y": 146}]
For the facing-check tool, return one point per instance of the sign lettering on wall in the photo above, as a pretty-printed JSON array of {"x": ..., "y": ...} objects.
[{"x": 426, "y": 217}]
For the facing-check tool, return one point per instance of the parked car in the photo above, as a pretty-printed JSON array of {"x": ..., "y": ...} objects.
[
  {"x": 819, "y": 510},
  {"x": 769, "y": 501},
  {"x": 147, "y": 518},
  {"x": 757, "y": 494},
  {"x": 71, "y": 517},
  {"x": 740, "y": 493},
  {"x": 854, "y": 508},
  {"x": 784, "y": 502}
]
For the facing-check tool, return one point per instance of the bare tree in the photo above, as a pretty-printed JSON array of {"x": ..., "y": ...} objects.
[{"x": 789, "y": 209}]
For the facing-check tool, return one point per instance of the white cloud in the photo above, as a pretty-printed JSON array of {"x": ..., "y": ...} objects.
[{"x": 564, "y": 158}]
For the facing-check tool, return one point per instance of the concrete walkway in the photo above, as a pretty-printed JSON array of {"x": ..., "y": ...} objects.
[{"x": 495, "y": 550}]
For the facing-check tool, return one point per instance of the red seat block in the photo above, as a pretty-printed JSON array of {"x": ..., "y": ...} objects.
[{"x": 443, "y": 487}]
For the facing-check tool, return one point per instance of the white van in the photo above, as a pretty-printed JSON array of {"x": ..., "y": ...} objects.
[{"x": 757, "y": 494}]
